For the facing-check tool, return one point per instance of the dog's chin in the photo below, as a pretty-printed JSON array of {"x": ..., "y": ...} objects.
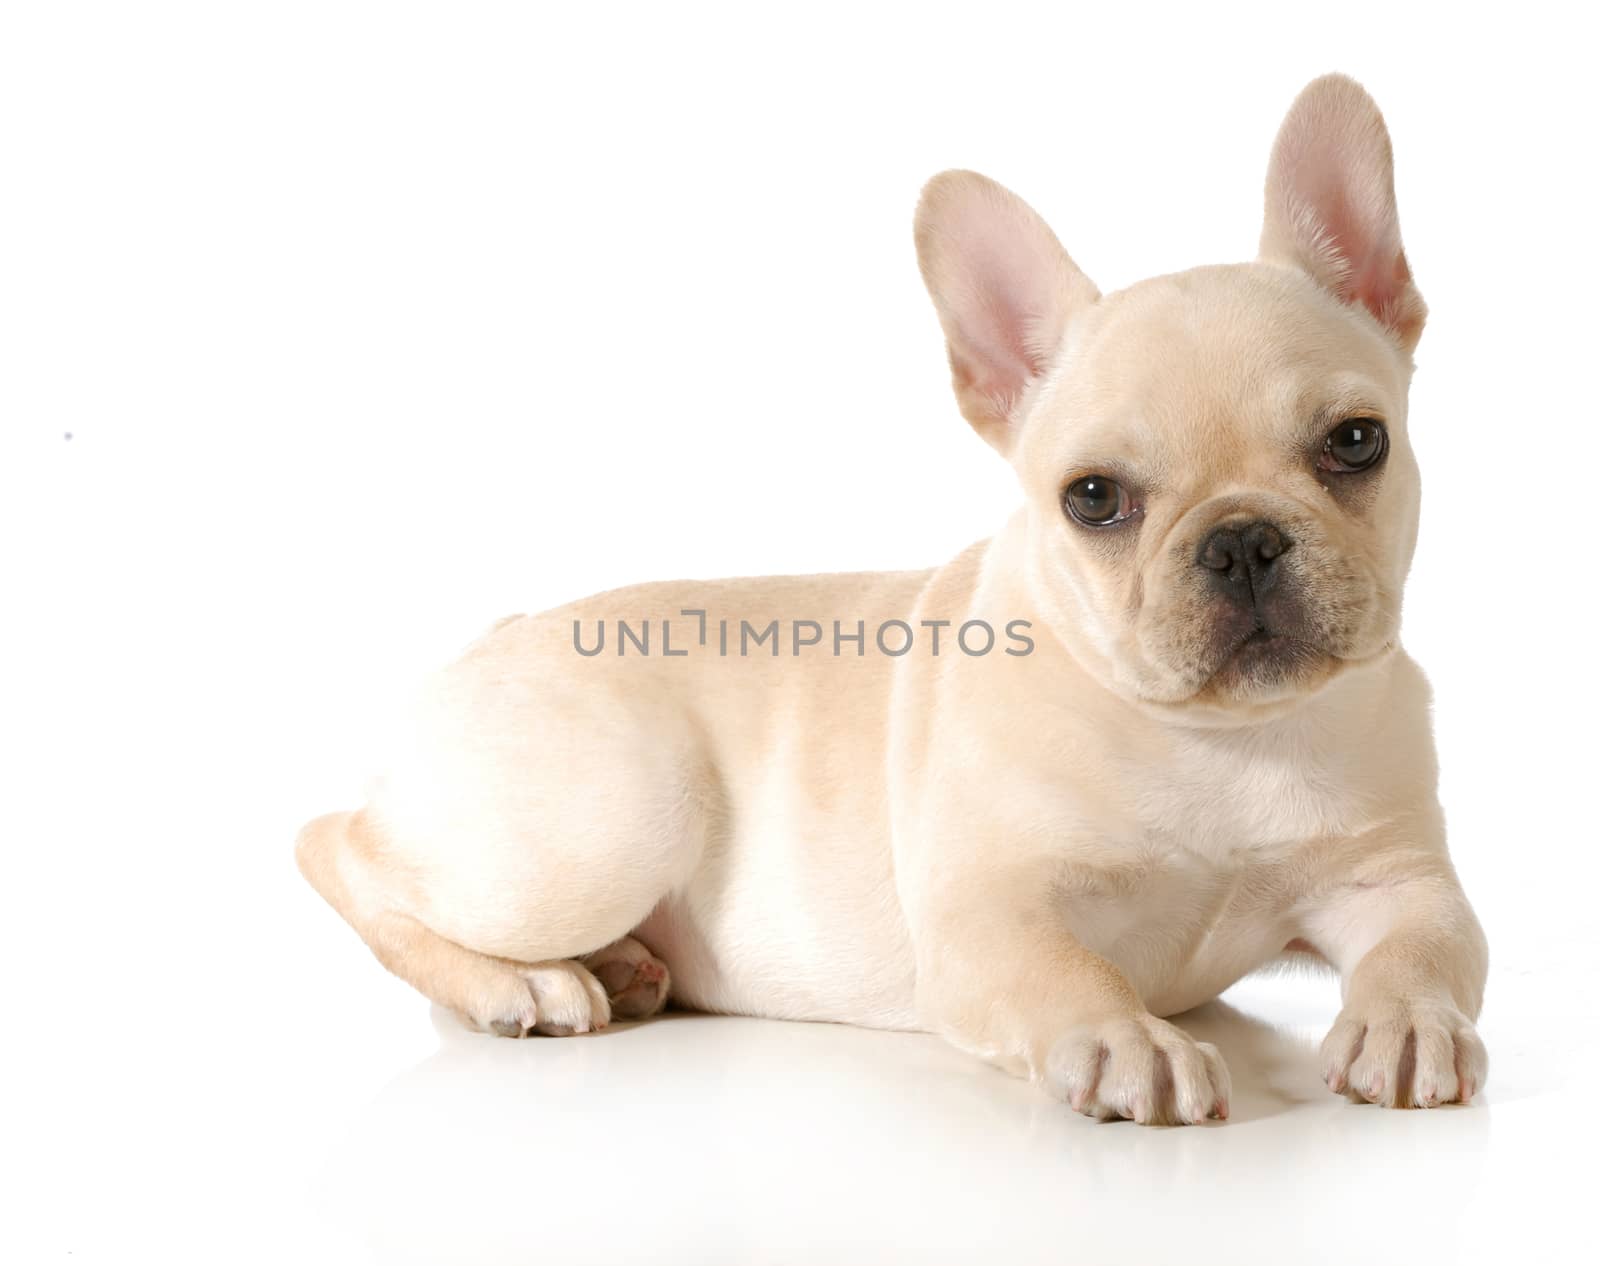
[{"x": 1266, "y": 667}]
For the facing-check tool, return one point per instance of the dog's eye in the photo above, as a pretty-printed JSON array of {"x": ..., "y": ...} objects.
[
  {"x": 1355, "y": 444},
  {"x": 1097, "y": 501}
]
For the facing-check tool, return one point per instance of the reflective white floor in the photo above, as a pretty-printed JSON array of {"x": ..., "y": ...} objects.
[{"x": 327, "y": 1114}]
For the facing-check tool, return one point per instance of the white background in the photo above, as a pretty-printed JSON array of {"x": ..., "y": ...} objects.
[{"x": 370, "y": 323}]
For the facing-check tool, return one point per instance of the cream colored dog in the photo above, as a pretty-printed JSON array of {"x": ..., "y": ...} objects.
[{"x": 1191, "y": 746}]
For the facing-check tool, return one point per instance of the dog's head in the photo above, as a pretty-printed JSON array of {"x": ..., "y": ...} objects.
[{"x": 1222, "y": 498}]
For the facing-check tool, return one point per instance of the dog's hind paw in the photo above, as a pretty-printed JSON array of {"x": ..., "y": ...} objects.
[
  {"x": 557, "y": 999},
  {"x": 635, "y": 980}
]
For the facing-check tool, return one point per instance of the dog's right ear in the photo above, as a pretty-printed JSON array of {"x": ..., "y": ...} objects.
[{"x": 1004, "y": 289}]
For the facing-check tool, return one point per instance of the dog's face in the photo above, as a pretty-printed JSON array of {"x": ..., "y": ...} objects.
[
  {"x": 1224, "y": 500},
  {"x": 1222, "y": 497}
]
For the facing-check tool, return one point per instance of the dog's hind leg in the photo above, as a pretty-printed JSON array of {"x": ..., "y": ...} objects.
[{"x": 513, "y": 999}]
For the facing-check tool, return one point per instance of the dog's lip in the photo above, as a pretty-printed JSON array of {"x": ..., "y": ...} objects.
[
  {"x": 1265, "y": 638},
  {"x": 1260, "y": 644},
  {"x": 1334, "y": 662}
]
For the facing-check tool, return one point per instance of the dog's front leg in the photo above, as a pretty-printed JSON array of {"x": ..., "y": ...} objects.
[
  {"x": 1000, "y": 974},
  {"x": 1413, "y": 959}
]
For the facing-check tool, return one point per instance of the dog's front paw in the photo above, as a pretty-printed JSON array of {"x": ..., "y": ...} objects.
[
  {"x": 1404, "y": 1054},
  {"x": 1141, "y": 1068}
]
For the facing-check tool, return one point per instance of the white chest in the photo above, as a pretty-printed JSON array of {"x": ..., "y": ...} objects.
[
  {"x": 1219, "y": 794},
  {"x": 1202, "y": 889}
]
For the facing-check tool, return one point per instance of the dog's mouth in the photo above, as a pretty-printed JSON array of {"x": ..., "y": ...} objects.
[
  {"x": 1259, "y": 667},
  {"x": 1266, "y": 658},
  {"x": 1266, "y": 646}
]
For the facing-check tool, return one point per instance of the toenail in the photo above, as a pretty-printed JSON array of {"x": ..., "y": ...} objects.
[{"x": 507, "y": 1028}]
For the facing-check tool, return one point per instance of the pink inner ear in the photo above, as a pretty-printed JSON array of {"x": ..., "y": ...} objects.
[
  {"x": 1371, "y": 267},
  {"x": 1380, "y": 286},
  {"x": 998, "y": 336},
  {"x": 993, "y": 312}
]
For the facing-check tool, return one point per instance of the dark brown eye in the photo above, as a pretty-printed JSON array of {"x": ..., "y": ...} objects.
[
  {"x": 1355, "y": 444},
  {"x": 1096, "y": 501}
]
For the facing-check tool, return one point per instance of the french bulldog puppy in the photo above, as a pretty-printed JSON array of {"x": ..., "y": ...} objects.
[{"x": 1154, "y": 734}]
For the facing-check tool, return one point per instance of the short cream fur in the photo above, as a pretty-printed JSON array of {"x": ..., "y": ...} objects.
[{"x": 1037, "y": 856}]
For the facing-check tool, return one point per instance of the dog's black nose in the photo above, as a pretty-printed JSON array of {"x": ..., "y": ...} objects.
[{"x": 1243, "y": 557}]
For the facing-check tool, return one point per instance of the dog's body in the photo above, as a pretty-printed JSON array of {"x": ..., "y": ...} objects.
[{"x": 1192, "y": 744}]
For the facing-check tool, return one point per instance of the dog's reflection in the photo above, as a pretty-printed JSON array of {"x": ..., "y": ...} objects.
[{"x": 712, "y": 1139}]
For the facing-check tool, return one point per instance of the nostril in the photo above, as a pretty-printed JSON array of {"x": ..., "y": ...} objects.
[
  {"x": 1267, "y": 541},
  {"x": 1217, "y": 554}
]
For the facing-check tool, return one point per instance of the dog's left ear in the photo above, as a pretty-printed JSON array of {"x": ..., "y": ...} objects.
[{"x": 1330, "y": 204}]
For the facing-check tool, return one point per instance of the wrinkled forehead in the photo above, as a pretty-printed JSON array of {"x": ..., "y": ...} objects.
[{"x": 1196, "y": 369}]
